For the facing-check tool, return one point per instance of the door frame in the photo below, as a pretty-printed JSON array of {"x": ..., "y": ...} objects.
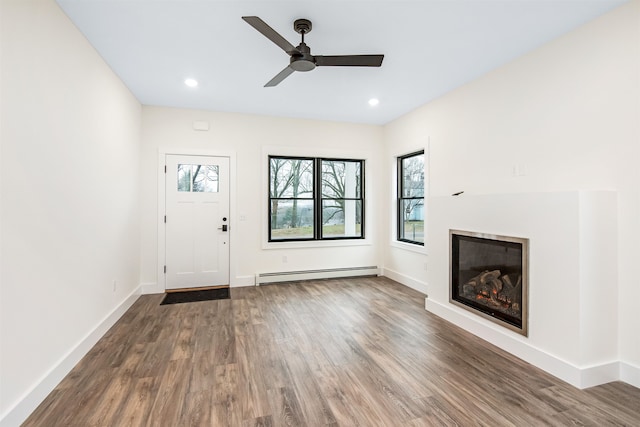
[{"x": 162, "y": 237}]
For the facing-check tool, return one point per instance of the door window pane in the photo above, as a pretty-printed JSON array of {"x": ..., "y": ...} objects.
[
  {"x": 184, "y": 177},
  {"x": 198, "y": 178}
]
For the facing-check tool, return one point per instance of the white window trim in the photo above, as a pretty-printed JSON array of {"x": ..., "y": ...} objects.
[
  {"x": 393, "y": 223},
  {"x": 316, "y": 153}
]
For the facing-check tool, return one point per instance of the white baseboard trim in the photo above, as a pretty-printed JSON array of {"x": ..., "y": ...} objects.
[
  {"x": 578, "y": 377},
  {"x": 151, "y": 288},
  {"x": 416, "y": 284},
  {"x": 32, "y": 398},
  {"x": 630, "y": 374},
  {"x": 599, "y": 374}
]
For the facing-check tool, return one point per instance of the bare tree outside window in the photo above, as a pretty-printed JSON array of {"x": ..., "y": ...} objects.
[
  {"x": 291, "y": 198},
  {"x": 341, "y": 198}
]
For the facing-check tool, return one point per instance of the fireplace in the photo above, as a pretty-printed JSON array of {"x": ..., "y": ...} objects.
[{"x": 489, "y": 277}]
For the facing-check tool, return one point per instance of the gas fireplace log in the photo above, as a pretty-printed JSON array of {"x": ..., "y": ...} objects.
[
  {"x": 485, "y": 284},
  {"x": 507, "y": 280},
  {"x": 492, "y": 278}
]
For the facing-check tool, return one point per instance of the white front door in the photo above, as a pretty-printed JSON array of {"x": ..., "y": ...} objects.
[{"x": 197, "y": 221}]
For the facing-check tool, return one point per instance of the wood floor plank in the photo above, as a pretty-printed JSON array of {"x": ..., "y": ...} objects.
[
  {"x": 259, "y": 422},
  {"x": 328, "y": 353},
  {"x": 316, "y": 408},
  {"x": 184, "y": 342},
  {"x": 171, "y": 394},
  {"x": 112, "y": 400},
  {"x": 202, "y": 375},
  {"x": 225, "y": 410},
  {"x": 350, "y": 404},
  {"x": 285, "y": 407},
  {"x": 252, "y": 385},
  {"x": 437, "y": 414},
  {"x": 84, "y": 399},
  {"x": 138, "y": 403},
  {"x": 621, "y": 399},
  {"x": 196, "y": 410}
]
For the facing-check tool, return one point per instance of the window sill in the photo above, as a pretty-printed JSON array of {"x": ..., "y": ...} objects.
[
  {"x": 316, "y": 244},
  {"x": 410, "y": 247}
]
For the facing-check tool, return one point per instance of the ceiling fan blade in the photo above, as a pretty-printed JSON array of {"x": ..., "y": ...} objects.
[
  {"x": 349, "y": 60},
  {"x": 280, "y": 77},
  {"x": 270, "y": 33}
]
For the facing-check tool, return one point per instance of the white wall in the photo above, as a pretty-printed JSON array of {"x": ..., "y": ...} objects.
[
  {"x": 403, "y": 262},
  {"x": 564, "y": 117},
  {"x": 572, "y": 276},
  {"x": 249, "y": 139},
  {"x": 70, "y": 221}
]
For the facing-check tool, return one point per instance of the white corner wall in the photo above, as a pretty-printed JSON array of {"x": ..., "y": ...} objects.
[
  {"x": 248, "y": 140},
  {"x": 403, "y": 262},
  {"x": 562, "y": 118},
  {"x": 69, "y": 222},
  {"x": 572, "y": 276}
]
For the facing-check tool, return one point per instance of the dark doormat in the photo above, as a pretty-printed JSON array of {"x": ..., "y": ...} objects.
[{"x": 195, "y": 296}]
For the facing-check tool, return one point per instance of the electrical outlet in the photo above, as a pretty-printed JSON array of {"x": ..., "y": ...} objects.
[
  {"x": 424, "y": 266},
  {"x": 284, "y": 258},
  {"x": 115, "y": 285}
]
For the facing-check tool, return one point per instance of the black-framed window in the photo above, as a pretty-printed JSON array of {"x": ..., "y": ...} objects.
[
  {"x": 315, "y": 198},
  {"x": 411, "y": 198}
]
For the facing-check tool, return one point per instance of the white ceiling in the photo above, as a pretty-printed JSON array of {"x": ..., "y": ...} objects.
[{"x": 430, "y": 48}]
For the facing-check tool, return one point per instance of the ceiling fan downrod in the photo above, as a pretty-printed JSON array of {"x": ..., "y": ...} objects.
[{"x": 303, "y": 61}]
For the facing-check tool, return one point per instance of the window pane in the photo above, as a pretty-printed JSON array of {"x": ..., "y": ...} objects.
[
  {"x": 413, "y": 176},
  {"x": 205, "y": 178},
  {"x": 341, "y": 218},
  {"x": 290, "y": 178},
  {"x": 341, "y": 179},
  {"x": 412, "y": 223},
  {"x": 291, "y": 219},
  {"x": 184, "y": 177},
  {"x": 198, "y": 178}
]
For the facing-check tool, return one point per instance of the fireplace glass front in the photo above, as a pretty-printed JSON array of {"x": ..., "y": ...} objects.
[{"x": 489, "y": 276}]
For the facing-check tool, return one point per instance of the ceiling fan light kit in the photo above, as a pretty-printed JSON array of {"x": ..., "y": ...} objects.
[{"x": 301, "y": 57}]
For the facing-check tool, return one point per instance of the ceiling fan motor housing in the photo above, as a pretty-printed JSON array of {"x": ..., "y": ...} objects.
[{"x": 302, "y": 61}]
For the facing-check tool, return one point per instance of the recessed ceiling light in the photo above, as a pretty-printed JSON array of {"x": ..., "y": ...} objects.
[
  {"x": 374, "y": 101},
  {"x": 191, "y": 82}
]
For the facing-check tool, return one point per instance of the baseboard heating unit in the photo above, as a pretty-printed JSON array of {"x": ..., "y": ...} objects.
[{"x": 329, "y": 273}]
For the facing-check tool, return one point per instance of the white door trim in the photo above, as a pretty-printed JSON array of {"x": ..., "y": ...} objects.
[{"x": 162, "y": 238}]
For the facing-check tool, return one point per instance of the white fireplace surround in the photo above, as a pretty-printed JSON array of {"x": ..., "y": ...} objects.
[{"x": 573, "y": 281}]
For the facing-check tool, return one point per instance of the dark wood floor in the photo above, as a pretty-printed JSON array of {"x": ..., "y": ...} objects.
[{"x": 319, "y": 353}]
